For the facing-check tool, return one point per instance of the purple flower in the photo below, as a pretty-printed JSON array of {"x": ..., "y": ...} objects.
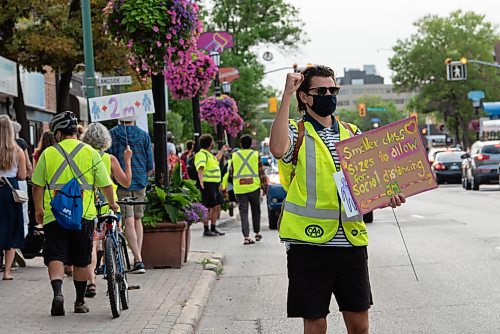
[{"x": 156, "y": 29}]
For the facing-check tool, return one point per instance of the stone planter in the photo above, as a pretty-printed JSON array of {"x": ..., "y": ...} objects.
[{"x": 165, "y": 245}]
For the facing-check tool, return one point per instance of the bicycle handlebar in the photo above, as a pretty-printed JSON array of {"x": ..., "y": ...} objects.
[{"x": 124, "y": 201}]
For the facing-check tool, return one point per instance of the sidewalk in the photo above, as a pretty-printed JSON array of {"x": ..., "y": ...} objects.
[{"x": 168, "y": 301}]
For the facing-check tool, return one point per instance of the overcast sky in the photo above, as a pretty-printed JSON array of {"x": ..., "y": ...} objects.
[{"x": 349, "y": 34}]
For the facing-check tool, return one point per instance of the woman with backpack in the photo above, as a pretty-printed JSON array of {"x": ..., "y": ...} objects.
[{"x": 12, "y": 170}]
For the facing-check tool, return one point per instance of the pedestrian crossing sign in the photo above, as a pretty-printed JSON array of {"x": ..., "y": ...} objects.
[{"x": 455, "y": 71}]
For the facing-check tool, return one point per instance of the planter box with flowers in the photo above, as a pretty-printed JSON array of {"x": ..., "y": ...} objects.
[{"x": 169, "y": 213}]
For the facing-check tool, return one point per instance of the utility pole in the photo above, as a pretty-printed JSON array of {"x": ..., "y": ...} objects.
[{"x": 88, "y": 51}]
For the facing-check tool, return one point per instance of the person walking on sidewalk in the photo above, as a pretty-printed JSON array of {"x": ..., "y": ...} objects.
[
  {"x": 209, "y": 179},
  {"x": 124, "y": 135},
  {"x": 335, "y": 259},
  {"x": 12, "y": 169},
  {"x": 99, "y": 138},
  {"x": 248, "y": 178},
  {"x": 59, "y": 164}
]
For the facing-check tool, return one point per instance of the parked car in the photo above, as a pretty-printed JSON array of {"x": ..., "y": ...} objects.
[
  {"x": 481, "y": 165},
  {"x": 447, "y": 166},
  {"x": 277, "y": 195}
]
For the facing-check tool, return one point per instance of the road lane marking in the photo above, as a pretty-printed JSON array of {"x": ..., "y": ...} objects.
[{"x": 418, "y": 216}]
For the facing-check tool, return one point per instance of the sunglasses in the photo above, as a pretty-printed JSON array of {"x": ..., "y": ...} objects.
[{"x": 321, "y": 91}]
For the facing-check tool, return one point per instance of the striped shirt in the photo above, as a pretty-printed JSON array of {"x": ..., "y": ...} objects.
[{"x": 330, "y": 136}]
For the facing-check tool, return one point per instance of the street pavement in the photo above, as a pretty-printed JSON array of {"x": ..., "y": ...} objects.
[
  {"x": 168, "y": 301},
  {"x": 453, "y": 237}
]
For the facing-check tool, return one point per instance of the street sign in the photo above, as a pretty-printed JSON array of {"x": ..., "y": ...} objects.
[
  {"x": 375, "y": 120},
  {"x": 8, "y": 77},
  {"x": 215, "y": 41},
  {"x": 114, "y": 81},
  {"x": 376, "y": 109},
  {"x": 228, "y": 74},
  {"x": 456, "y": 71},
  {"x": 119, "y": 106}
]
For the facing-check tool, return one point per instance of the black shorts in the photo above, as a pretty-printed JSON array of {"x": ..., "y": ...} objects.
[
  {"x": 315, "y": 272},
  {"x": 69, "y": 247},
  {"x": 211, "y": 195}
]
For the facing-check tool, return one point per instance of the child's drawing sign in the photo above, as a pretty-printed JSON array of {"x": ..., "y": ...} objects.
[{"x": 386, "y": 161}]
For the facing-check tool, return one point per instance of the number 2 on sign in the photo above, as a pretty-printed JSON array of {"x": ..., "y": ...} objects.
[{"x": 114, "y": 101}]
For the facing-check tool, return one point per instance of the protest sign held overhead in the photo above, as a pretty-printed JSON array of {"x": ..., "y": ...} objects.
[
  {"x": 384, "y": 162},
  {"x": 121, "y": 105}
]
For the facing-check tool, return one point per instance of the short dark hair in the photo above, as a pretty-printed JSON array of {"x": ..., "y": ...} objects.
[
  {"x": 246, "y": 142},
  {"x": 308, "y": 73},
  {"x": 189, "y": 145},
  {"x": 206, "y": 141}
]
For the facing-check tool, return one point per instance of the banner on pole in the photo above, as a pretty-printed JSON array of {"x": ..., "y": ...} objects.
[
  {"x": 119, "y": 106},
  {"x": 384, "y": 162}
]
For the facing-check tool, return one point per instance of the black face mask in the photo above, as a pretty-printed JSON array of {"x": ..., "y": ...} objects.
[{"x": 324, "y": 105}]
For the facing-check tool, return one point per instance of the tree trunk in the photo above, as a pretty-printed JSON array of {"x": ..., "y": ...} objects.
[
  {"x": 20, "y": 109},
  {"x": 160, "y": 130},
  {"x": 63, "y": 90}
]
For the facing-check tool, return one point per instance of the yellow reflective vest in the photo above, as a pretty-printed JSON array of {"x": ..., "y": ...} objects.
[
  {"x": 312, "y": 210},
  {"x": 210, "y": 164},
  {"x": 245, "y": 171}
]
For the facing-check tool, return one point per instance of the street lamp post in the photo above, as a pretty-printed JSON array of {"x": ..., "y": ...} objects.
[
  {"x": 88, "y": 50},
  {"x": 216, "y": 58},
  {"x": 226, "y": 89}
]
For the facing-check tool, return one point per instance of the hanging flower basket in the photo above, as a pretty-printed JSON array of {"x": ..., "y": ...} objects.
[
  {"x": 154, "y": 31},
  {"x": 190, "y": 74},
  {"x": 235, "y": 125},
  {"x": 218, "y": 110}
]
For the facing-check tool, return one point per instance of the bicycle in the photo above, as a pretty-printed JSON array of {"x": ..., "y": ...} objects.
[{"x": 116, "y": 261}]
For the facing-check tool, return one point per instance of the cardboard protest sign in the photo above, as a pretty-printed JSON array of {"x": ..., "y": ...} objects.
[
  {"x": 386, "y": 161},
  {"x": 121, "y": 105}
]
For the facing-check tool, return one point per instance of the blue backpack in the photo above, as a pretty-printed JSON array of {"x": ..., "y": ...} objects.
[{"x": 67, "y": 204}]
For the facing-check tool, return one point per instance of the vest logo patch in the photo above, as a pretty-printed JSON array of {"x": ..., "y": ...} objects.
[
  {"x": 314, "y": 231},
  {"x": 354, "y": 232}
]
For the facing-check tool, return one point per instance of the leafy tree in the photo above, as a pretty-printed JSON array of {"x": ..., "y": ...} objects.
[
  {"x": 51, "y": 34},
  {"x": 419, "y": 65},
  {"x": 254, "y": 23},
  {"x": 11, "y": 11}
]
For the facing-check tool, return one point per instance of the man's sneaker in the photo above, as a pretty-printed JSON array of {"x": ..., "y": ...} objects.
[
  {"x": 138, "y": 268},
  {"x": 216, "y": 231},
  {"x": 81, "y": 307},
  {"x": 57, "y": 306},
  {"x": 18, "y": 256},
  {"x": 209, "y": 234}
]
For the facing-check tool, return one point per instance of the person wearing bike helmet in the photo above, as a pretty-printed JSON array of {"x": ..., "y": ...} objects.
[{"x": 57, "y": 165}]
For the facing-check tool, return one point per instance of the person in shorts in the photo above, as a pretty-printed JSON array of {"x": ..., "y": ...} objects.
[
  {"x": 56, "y": 166},
  {"x": 127, "y": 134},
  {"x": 209, "y": 179},
  {"x": 326, "y": 250}
]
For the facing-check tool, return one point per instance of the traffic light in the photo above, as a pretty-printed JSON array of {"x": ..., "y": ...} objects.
[
  {"x": 362, "y": 109},
  {"x": 447, "y": 61},
  {"x": 463, "y": 60},
  {"x": 273, "y": 104}
]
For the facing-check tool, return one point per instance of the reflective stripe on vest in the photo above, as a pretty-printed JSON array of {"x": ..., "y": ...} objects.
[
  {"x": 246, "y": 177},
  {"x": 302, "y": 219},
  {"x": 68, "y": 161}
]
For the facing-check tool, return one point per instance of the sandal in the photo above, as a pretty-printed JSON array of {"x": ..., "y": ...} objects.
[
  {"x": 248, "y": 241},
  {"x": 91, "y": 290},
  {"x": 258, "y": 237}
]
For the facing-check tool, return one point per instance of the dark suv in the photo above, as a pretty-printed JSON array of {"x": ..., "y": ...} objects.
[{"x": 481, "y": 165}]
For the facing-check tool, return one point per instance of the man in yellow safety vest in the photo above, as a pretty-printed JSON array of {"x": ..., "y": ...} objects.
[
  {"x": 248, "y": 178},
  {"x": 326, "y": 250}
]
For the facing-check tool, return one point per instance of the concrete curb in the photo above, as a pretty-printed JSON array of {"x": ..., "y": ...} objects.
[{"x": 192, "y": 312}]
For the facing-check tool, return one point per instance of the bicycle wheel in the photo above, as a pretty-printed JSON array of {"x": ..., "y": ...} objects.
[
  {"x": 123, "y": 280},
  {"x": 123, "y": 244},
  {"x": 111, "y": 273}
]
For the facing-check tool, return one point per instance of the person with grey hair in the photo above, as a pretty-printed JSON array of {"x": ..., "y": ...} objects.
[{"x": 99, "y": 138}]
